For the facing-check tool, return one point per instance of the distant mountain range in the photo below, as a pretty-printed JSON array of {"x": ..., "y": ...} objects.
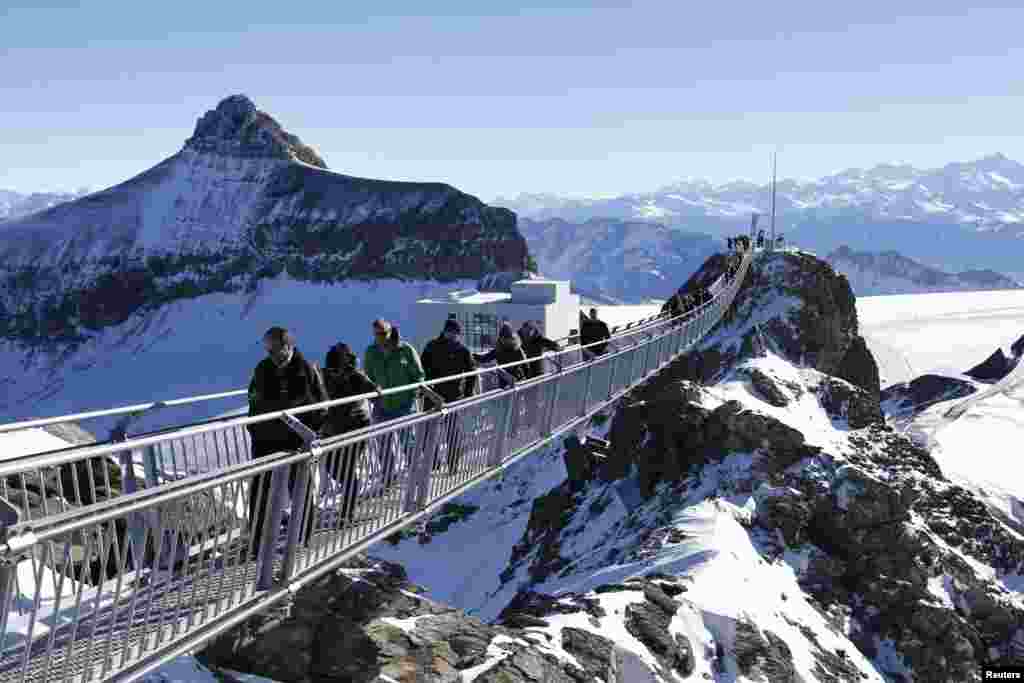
[
  {"x": 617, "y": 261},
  {"x": 15, "y": 204},
  {"x": 963, "y": 216},
  {"x": 888, "y": 272}
]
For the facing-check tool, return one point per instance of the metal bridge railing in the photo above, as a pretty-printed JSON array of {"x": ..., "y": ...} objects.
[{"x": 111, "y": 587}]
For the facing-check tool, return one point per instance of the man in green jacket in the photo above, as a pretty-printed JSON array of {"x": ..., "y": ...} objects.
[{"x": 390, "y": 362}]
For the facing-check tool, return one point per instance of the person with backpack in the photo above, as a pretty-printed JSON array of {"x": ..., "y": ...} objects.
[
  {"x": 443, "y": 356},
  {"x": 343, "y": 379},
  {"x": 390, "y": 362},
  {"x": 282, "y": 381},
  {"x": 534, "y": 345}
]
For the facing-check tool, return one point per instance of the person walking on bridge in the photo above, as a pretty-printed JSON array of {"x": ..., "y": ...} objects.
[
  {"x": 282, "y": 381},
  {"x": 344, "y": 379},
  {"x": 594, "y": 330},
  {"x": 534, "y": 345},
  {"x": 390, "y": 362},
  {"x": 443, "y": 356}
]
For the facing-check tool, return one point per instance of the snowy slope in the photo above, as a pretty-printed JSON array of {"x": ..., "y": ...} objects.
[
  {"x": 14, "y": 204},
  {"x": 204, "y": 345},
  {"x": 947, "y": 333}
]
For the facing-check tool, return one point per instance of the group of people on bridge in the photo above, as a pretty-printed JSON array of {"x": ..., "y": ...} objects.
[{"x": 286, "y": 380}]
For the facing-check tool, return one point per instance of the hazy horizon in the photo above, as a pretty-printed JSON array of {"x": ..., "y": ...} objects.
[{"x": 587, "y": 99}]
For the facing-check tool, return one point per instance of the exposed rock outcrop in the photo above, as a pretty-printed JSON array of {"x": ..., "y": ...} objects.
[{"x": 366, "y": 623}]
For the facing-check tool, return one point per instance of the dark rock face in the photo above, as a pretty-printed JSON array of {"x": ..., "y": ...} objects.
[
  {"x": 993, "y": 368},
  {"x": 844, "y": 401},
  {"x": 340, "y": 629},
  {"x": 763, "y": 656},
  {"x": 765, "y": 387},
  {"x": 820, "y": 330},
  {"x": 925, "y": 390},
  {"x": 582, "y": 458},
  {"x": 664, "y": 438},
  {"x": 237, "y": 128},
  {"x": 859, "y": 367}
]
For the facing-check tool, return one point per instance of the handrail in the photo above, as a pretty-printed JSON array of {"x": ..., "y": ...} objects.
[
  {"x": 61, "y": 419},
  {"x": 235, "y": 393}
]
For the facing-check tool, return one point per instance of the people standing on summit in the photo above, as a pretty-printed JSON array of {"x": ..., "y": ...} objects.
[
  {"x": 444, "y": 356},
  {"x": 282, "y": 381},
  {"x": 390, "y": 362}
]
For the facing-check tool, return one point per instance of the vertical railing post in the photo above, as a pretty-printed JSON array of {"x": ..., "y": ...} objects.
[
  {"x": 273, "y": 511},
  {"x": 297, "y": 522},
  {"x": 549, "y": 418},
  {"x": 586, "y": 390},
  {"x": 10, "y": 515},
  {"x": 611, "y": 374},
  {"x": 418, "y": 488},
  {"x": 497, "y": 454}
]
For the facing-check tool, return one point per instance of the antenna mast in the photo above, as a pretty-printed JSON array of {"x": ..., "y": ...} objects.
[{"x": 774, "y": 181}]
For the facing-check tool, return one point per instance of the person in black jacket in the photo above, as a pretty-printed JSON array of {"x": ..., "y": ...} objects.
[
  {"x": 534, "y": 345},
  {"x": 594, "y": 330},
  {"x": 446, "y": 355},
  {"x": 443, "y": 356},
  {"x": 281, "y": 381},
  {"x": 509, "y": 349},
  {"x": 343, "y": 379}
]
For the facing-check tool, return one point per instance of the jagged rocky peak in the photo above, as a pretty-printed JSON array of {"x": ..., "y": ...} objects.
[
  {"x": 237, "y": 128},
  {"x": 794, "y": 304}
]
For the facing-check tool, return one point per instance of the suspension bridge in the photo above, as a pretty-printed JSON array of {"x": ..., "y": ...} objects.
[{"x": 118, "y": 557}]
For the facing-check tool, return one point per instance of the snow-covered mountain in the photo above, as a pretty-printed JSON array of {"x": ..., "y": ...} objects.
[
  {"x": 888, "y": 272},
  {"x": 962, "y": 216},
  {"x": 186, "y": 264},
  {"x": 746, "y": 516},
  {"x": 616, "y": 260},
  {"x": 14, "y": 204}
]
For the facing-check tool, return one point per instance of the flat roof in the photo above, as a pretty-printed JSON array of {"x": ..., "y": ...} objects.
[{"x": 476, "y": 298}]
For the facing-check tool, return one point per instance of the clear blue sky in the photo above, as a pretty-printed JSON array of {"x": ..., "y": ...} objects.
[{"x": 588, "y": 98}]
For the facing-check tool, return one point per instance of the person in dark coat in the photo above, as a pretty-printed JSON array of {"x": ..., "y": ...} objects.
[
  {"x": 444, "y": 356},
  {"x": 281, "y": 381},
  {"x": 343, "y": 378},
  {"x": 593, "y": 331},
  {"x": 534, "y": 345},
  {"x": 509, "y": 349}
]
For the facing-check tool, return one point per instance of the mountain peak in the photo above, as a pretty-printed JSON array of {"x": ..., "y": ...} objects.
[{"x": 237, "y": 128}]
